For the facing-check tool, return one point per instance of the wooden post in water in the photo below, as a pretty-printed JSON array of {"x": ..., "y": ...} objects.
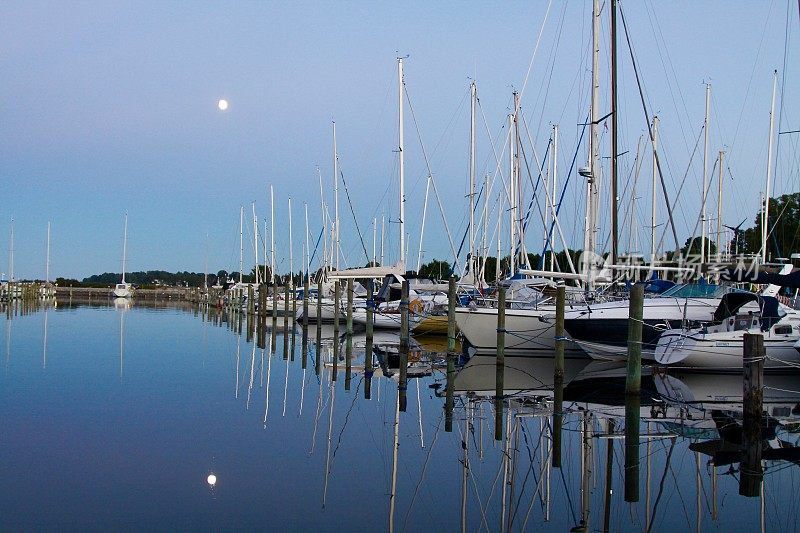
[
  {"x": 348, "y": 353},
  {"x": 500, "y": 365},
  {"x": 451, "y": 355},
  {"x": 251, "y": 301},
  {"x": 368, "y": 344},
  {"x": 306, "y": 288},
  {"x": 558, "y": 375},
  {"x": 403, "y": 381},
  {"x": 274, "y": 301},
  {"x": 286, "y": 305},
  {"x": 751, "y": 471},
  {"x": 262, "y": 300},
  {"x": 633, "y": 381},
  {"x": 633, "y": 386},
  {"x": 336, "y": 313},
  {"x": 319, "y": 303},
  {"x": 632, "y": 419}
]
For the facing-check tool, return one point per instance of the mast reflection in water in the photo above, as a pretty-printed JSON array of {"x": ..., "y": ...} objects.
[{"x": 92, "y": 443}]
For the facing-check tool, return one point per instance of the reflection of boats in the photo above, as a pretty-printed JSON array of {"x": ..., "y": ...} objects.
[
  {"x": 521, "y": 375},
  {"x": 720, "y": 345}
]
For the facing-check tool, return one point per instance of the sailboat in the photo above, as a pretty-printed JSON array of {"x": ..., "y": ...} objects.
[{"x": 123, "y": 289}]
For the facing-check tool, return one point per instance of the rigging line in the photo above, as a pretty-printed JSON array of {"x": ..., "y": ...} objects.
[
  {"x": 535, "y": 189},
  {"x": 535, "y": 49},
  {"x": 430, "y": 173},
  {"x": 683, "y": 182},
  {"x": 424, "y": 469},
  {"x": 355, "y": 221},
  {"x": 649, "y": 129},
  {"x": 549, "y": 244},
  {"x": 661, "y": 486}
]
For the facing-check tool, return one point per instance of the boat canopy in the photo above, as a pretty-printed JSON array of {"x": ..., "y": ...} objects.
[{"x": 732, "y": 302}]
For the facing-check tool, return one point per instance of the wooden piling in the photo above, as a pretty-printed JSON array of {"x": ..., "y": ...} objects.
[
  {"x": 286, "y": 305},
  {"x": 559, "y": 333},
  {"x": 319, "y": 303},
  {"x": 500, "y": 363},
  {"x": 632, "y": 441},
  {"x": 251, "y": 302},
  {"x": 368, "y": 344},
  {"x": 274, "y": 301},
  {"x": 262, "y": 300},
  {"x": 451, "y": 315},
  {"x": 403, "y": 379},
  {"x": 350, "y": 307},
  {"x": 336, "y": 312},
  {"x": 751, "y": 471},
  {"x": 306, "y": 288},
  {"x": 633, "y": 381}
]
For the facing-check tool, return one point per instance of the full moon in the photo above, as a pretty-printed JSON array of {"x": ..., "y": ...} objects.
[
  {"x": 222, "y": 105},
  {"x": 212, "y": 479}
]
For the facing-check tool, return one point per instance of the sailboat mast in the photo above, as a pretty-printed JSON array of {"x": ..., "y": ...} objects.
[
  {"x": 614, "y": 135},
  {"x": 473, "y": 99},
  {"x": 512, "y": 198},
  {"x": 124, "y": 247},
  {"x": 47, "y": 260},
  {"x": 272, "y": 233},
  {"x": 308, "y": 245},
  {"x": 767, "y": 191},
  {"x": 255, "y": 240},
  {"x": 11, "y": 254},
  {"x": 719, "y": 204},
  {"x": 402, "y": 258},
  {"x": 704, "y": 218},
  {"x": 653, "y": 205},
  {"x": 324, "y": 268},
  {"x": 554, "y": 186},
  {"x": 336, "y": 197},
  {"x": 241, "y": 243},
  {"x": 291, "y": 257},
  {"x": 593, "y": 175}
]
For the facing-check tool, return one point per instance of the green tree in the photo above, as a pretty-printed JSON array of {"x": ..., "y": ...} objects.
[{"x": 436, "y": 269}]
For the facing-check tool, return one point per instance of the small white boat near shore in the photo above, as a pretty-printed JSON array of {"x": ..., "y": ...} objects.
[{"x": 719, "y": 346}]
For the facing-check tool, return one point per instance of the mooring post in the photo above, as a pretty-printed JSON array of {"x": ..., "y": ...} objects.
[
  {"x": 306, "y": 288},
  {"x": 336, "y": 313},
  {"x": 368, "y": 344},
  {"x": 350, "y": 307},
  {"x": 633, "y": 381},
  {"x": 500, "y": 363},
  {"x": 558, "y": 375},
  {"x": 632, "y": 441},
  {"x": 286, "y": 305},
  {"x": 451, "y": 355},
  {"x": 274, "y": 301},
  {"x": 319, "y": 303},
  {"x": 751, "y": 471},
  {"x": 403, "y": 381},
  {"x": 251, "y": 301}
]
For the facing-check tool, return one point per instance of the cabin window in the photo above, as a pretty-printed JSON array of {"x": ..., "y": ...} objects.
[{"x": 783, "y": 330}]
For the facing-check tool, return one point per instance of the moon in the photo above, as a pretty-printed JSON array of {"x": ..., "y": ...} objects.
[
  {"x": 212, "y": 479},
  {"x": 222, "y": 104}
]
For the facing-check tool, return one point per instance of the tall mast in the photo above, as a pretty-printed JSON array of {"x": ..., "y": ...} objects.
[
  {"x": 554, "y": 185},
  {"x": 400, "y": 82},
  {"x": 473, "y": 99},
  {"x": 512, "y": 197},
  {"x": 703, "y": 216},
  {"x": 291, "y": 256},
  {"x": 336, "y": 197},
  {"x": 308, "y": 245},
  {"x": 767, "y": 190},
  {"x": 383, "y": 233},
  {"x": 324, "y": 268},
  {"x": 11, "y": 253},
  {"x": 593, "y": 174},
  {"x": 719, "y": 204},
  {"x": 374, "y": 239},
  {"x": 653, "y": 205},
  {"x": 614, "y": 124},
  {"x": 255, "y": 239},
  {"x": 47, "y": 261},
  {"x": 241, "y": 243},
  {"x": 124, "y": 247},
  {"x": 272, "y": 233}
]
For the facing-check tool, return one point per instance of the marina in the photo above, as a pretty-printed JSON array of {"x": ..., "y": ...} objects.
[
  {"x": 429, "y": 267},
  {"x": 296, "y": 434}
]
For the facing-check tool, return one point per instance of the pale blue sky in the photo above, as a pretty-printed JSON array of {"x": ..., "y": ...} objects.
[{"x": 111, "y": 106}]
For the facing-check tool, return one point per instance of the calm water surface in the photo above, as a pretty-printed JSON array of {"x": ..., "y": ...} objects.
[{"x": 113, "y": 418}]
